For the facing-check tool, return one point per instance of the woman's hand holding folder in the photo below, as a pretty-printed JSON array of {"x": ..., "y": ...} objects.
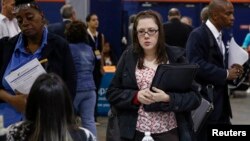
[
  {"x": 147, "y": 96},
  {"x": 159, "y": 95}
]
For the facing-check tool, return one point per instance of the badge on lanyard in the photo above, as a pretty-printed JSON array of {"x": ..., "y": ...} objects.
[{"x": 98, "y": 54}]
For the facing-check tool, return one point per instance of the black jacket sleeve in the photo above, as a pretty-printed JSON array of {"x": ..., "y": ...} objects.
[{"x": 120, "y": 93}]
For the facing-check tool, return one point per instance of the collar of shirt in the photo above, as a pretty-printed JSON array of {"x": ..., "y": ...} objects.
[
  {"x": 213, "y": 29},
  {"x": 5, "y": 19},
  {"x": 20, "y": 42},
  {"x": 64, "y": 20},
  {"x": 2, "y": 17},
  {"x": 91, "y": 35}
]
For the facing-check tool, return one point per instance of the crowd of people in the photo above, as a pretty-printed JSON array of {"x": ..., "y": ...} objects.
[{"x": 73, "y": 54}]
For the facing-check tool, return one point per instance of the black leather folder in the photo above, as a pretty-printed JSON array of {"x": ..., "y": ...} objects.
[{"x": 174, "y": 77}]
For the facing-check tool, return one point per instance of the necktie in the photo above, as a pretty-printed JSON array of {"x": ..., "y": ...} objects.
[
  {"x": 95, "y": 38},
  {"x": 221, "y": 44}
]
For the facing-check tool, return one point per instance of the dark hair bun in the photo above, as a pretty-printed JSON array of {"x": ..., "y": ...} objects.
[{"x": 19, "y": 2}]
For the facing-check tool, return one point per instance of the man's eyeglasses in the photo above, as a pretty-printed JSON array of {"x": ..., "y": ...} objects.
[{"x": 150, "y": 32}]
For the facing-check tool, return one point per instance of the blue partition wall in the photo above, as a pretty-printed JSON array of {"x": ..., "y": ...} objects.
[
  {"x": 192, "y": 10},
  {"x": 242, "y": 17},
  {"x": 51, "y": 11},
  {"x": 108, "y": 11},
  {"x": 114, "y": 14},
  {"x": 110, "y": 21}
]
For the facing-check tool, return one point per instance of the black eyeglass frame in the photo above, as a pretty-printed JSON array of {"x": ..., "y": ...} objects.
[{"x": 150, "y": 32}]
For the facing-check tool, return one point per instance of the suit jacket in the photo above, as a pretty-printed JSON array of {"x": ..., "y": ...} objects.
[
  {"x": 97, "y": 45},
  {"x": 58, "y": 28},
  {"x": 56, "y": 51},
  {"x": 202, "y": 49},
  {"x": 124, "y": 87},
  {"x": 176, "y": 33}
]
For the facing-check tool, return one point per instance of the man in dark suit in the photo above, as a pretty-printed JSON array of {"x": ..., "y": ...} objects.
[
  {"x": 176, "y": 32},
  {"x": 210, "y": 52},
  {"x": 68, "y": 15}
]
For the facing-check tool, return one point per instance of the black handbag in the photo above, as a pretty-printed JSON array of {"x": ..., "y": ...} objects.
[
  {"x": 112, "y": 132},
  {"x": 200, "y": 114}
]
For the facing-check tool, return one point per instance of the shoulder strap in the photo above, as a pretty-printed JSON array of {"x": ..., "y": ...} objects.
[{"x": 210, "y": 89}]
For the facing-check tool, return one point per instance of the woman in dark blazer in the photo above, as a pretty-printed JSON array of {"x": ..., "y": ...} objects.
[
  {"x": 129, "y": 89},
  {"x": 34, "y": 41}
]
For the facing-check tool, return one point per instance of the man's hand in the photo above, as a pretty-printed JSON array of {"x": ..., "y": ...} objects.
[{"x": 235, "y": 71}]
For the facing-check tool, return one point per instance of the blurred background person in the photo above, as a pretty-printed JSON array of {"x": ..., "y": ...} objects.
[
  {"x": 130, "y": 28},
  {"x": 108, "y": 57},
  {"x": 246, "y": 42},
  {"x": 96, "y": 41},
  {"x": 49, "y": 114},
  {"x": 68, "y": 14},
  {"x": 34, "y": 41},
  {"x": 84, "y": 59},
  {"x": 176, "y": 32},
  {"x": 187, "y": 20},
  {"x": 8, "y": 22},
  {"x": 204, "y": 14}
]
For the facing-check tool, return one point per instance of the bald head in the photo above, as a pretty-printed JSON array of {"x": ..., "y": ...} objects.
[
  {"x": 204, "y": 14},
  {"x": 217, "y": 5},
  {"x": 174, "y": 13},
  {"x": 221, "y": 13}
]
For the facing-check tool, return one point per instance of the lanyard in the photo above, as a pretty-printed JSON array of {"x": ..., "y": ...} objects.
[
  {"x": 96, "y": 42},
  {"x": 94, "y": 38}
]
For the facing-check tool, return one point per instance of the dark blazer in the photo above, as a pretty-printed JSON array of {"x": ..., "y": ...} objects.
[
  {"x": 124, "y": 87},
  {"x": 176, "y": 33},
  {"x": 97, "y": 44},
  {"x": 202, "y": 49},
  {"x": 56, "y": 51},
  {"x": 58, "y": 28}
]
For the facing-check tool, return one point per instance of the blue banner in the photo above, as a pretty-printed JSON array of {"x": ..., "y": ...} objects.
[{"x": 103, "y": 105}]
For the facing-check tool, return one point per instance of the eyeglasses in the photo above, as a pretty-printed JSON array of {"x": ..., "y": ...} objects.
[{"x": 150, "y": 32}]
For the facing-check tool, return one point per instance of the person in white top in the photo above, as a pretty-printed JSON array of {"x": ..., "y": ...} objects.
[{"x": 8, "y": 22}]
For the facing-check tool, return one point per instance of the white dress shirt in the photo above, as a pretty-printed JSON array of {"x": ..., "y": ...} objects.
[
  {"x": 217, "y": 35},
  {"x": 8, "y": 27}
]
